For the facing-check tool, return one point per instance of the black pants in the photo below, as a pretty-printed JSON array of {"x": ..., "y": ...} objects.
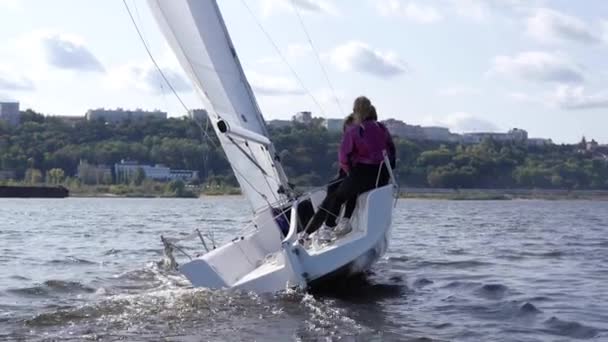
[
  {"x": 362, "y": 178},
  {"x": 333, "y": 187}
]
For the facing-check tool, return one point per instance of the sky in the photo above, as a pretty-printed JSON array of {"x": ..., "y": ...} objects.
[{"x": 470, "y": 65}]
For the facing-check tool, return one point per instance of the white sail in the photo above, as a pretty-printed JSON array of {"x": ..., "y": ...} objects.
[{"x": 196, "y": 32}]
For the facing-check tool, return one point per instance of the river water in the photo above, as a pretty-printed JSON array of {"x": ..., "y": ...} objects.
[{"x": 89, "y": 269}]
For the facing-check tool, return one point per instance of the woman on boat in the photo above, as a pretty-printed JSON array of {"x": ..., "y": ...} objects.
[{"x": 361, "y": 156}]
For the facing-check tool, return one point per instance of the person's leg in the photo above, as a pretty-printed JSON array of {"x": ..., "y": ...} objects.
[
  {"x": 334, "y": 184},
  {"x": 321, "y": 215},
  {"x": 317, "y": 220},
  {"x": 350, "y": 207},
  {"x": 360, "y": 179},
  {"x": 384, "y": 176}
]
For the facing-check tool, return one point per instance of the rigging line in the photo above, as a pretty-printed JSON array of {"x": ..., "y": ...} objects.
[
  {"x": 265, "y": 178},
  {"x": 295, "y": 74},
  {"x": 152, "y": 57},
  {"x": 160, "y": 71},
  {"x": 316, "y": 53}
]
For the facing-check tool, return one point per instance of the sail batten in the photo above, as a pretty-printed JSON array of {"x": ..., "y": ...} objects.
[{"x": 196, "y": 32}]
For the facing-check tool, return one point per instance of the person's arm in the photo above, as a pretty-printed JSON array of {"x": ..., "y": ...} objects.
[{"x": 346, "y": 148}]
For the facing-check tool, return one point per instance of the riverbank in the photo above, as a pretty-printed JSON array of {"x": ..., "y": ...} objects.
[
  {"x": 161, "y": 190},
  {"x": 150, "y": 191},
  {"x": 503, "y": 194}
]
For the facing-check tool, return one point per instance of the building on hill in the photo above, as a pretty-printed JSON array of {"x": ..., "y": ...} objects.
[
  {"x": 69, "y": 119},
  {"x": 333, "y": 125},
  {"x": 126, "y": 170},
  {"x": 120, "y": 115},
  {"x": 8, "y": 175},
  {"x": 94, "y": 174},
  {"x": 441, "y": 134},
  {"x": 539, "y": 142},
  {"x": 199, "y": 115},
  {"x": 303, "y": 118},
  {"x": 592, "y": 145},
  {"x": 514, "y": 135},
  {"x": 279, "y": 123},
  {"x": 9, "y": 113},
  {"x": 400, "y": 129}
]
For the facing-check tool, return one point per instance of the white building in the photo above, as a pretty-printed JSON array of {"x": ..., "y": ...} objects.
[
  {"x": 398, "y": 128},
  {"x": 7, "y": 174},
  {"x": 69, "y": 119},
  {"x": 199, "y": 115},
  {"x": 539, "y": 142},
  {"x": 9, "y": 112},
  {"x": 333, "y": 125},
  {"x": 185, "y": 175},
  {"x": 514, "y": 135},
  {"x": 126, "y": 170},
  {"x": 94, "y": 174},
  {"x": 438, "y": 134},
  {"x": 279, "y": 123},
  {"x": 303, "y": 117},
  {"x": 119, "y": 114}
]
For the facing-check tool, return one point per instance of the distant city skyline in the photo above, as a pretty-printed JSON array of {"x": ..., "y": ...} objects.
[{"x": 468, "y": 65}]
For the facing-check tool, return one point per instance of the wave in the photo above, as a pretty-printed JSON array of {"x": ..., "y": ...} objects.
[
  {"x": 556, "y": 326},
  {"x": 71, "y": 260},
  {"x": 422, "y": 282},
  {"x": 52, "y": 287},
  {"x": 492, "y": 291},
  {"x": 167, "y": 312},
  {"x": 456, "y": 264}
]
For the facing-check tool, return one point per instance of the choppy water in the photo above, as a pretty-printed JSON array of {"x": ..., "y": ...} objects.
[{"x": 87, "y": 269}]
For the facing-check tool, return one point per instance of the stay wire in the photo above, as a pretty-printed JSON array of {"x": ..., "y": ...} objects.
[
  {"x": 316, "y": 53},
  {"x": 276, "y": 47},
  {"x": 160, "y": 71}
]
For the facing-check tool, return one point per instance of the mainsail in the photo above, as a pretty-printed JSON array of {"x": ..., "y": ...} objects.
[{"x": 196, "y": 32}]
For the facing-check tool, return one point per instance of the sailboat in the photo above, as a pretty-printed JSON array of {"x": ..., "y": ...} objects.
[{"x": 270, "y": 258}]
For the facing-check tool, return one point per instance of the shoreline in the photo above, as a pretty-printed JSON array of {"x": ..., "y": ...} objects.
[
  {"x": 502, "y": 194},
  {"x": 412, "y": 193}
]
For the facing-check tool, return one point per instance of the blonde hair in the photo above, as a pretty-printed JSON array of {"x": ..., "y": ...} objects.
[{"x": 362, "y": 107}]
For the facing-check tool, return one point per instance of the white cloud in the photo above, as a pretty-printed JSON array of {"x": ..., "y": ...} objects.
[
  {"x": 145, "y": 77},
  {"x": 549, "y": 25},
  {"x": 462, "y": 122},
  {"x": 460, "y": 90},
  {"x": 6, "y": 98},
  {"x": 523, "y": 97},
  {"x": 471, "y": 9},
  {"x": 268, "y": 85},
  {"x": 11, "y": 4},
  {"x": 60, "y": 50},
  {"x": 538, "y": 66},
  {"x": 9, "y": 81},
  {"x": 575, "y": 97},
  {"x": 358, "y": 56},
  {"x": 480, "y": 10},
  {"x": 412, "y": 11},
  {"x": 295, "y": 50},
  {"x": 270, "y": 7}
]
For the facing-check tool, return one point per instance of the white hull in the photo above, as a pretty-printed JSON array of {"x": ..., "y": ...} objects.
[{"x": 262, "y": 262}]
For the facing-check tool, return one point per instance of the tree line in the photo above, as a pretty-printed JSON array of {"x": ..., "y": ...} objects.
[{"x": 44, "y": 148}]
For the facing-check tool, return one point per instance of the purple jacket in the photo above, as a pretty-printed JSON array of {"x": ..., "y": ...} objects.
[{"x": 364, "y": 143}]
